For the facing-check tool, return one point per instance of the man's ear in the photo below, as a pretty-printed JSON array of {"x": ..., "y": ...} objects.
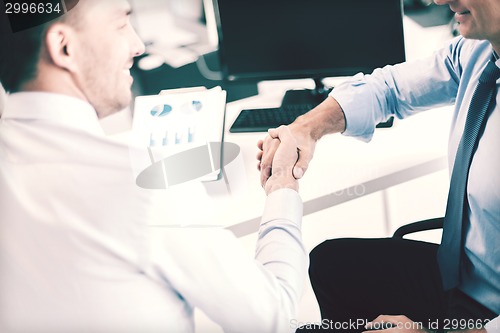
[{"x": 60, "y": 42}]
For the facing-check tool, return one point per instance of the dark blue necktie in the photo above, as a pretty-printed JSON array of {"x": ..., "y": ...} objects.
[{"x": 452, "y": 243}]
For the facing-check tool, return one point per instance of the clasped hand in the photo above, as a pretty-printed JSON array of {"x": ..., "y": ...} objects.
[{"x": 284, "y": 157}]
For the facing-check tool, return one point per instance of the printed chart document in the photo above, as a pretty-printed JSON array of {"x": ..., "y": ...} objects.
[{"x": 178, "y": 134}]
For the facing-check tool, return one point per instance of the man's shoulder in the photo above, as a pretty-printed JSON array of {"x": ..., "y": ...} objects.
[
  {"x": 465, "y": 48},
  {"x": 466, "y": 54}
]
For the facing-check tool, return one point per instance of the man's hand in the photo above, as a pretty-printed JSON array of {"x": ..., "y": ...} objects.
[
  {"x": 284, "y": 159},
  {"x": 383, "y": 323},
  {"x": 403, "y": 324},
  {"x": 268, "y": 147},
  {"x": 307, "y": 129}
]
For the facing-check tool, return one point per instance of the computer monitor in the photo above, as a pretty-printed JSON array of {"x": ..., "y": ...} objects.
[{"x": 286, "y": 39}]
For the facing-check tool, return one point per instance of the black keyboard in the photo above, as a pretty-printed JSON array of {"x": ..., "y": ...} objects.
[{"x": 260, "y": 120}]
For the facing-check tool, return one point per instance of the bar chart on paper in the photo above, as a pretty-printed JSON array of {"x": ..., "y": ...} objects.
[{"x": 179, "y": 137}]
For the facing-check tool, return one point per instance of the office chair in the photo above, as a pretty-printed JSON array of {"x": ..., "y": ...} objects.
[{"x": 436, "y": 223}]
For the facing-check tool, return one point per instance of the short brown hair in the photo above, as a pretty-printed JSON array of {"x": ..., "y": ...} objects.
[{"x": 20, "y": 51}]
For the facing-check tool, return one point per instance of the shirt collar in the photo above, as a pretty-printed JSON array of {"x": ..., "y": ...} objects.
[
  {"x": 61, "y": 109},
  {"x": 496, "y": 59}
]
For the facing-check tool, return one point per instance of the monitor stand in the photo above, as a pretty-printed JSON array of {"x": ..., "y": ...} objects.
[{"x": 307, "y": 96}]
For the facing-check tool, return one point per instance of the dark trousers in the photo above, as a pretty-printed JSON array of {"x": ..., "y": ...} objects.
[{"x": 359, "y": 279}]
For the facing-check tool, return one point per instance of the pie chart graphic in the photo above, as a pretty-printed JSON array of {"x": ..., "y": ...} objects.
[
  {"x": 161, "y": 110},
  {"x": 192, "y": 107},
  {"x": 197, "y": 105},
  {"x": 188, "y": 165}
]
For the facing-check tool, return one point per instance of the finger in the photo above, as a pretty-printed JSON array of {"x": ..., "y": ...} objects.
[
  {"x": 391, "y": 318},
  {"x": 266, "y": 161},
  {"x": 283, "y": 133},
  {"x": 384, "y": 319},
  {"x": 265, "y": 173},
  {"x": 273, "y": 132},
  {"x": 379, "y": 326},
  {"x": 270, "y": 147},
  {"x": 260, "y": 144},
  {"x": 259, "y": 155},
  {"x": 386, "y": 322},
  {"x": 378, "y": 323},
  {"x": 259, "y": 158}
]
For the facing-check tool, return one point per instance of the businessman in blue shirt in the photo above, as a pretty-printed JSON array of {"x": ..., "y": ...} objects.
[{"x": 455, "y": 286}]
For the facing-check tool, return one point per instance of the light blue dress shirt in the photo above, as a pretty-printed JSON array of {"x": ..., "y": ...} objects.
[{"x": 449, "y": 76}]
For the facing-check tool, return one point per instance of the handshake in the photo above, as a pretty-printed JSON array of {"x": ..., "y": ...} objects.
[
  {"x": 285, "y": 153},
  {"x": 282, "y": 159}
]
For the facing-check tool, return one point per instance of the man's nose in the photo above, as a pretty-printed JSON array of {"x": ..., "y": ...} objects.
[{"x": 138, "y": 46}]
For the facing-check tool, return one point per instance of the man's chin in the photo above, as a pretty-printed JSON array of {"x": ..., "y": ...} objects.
[
  {"x": 118, "y": 106},
  {"x": 467, "y": 32},
  {"x": 123, "y": 101}
]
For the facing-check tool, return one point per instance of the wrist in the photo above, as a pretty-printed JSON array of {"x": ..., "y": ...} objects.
[
  {"x": 326, "y": 118},
  {"x": 280, "y": 182}
]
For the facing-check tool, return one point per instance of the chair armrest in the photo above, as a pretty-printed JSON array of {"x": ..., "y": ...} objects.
[{"x": 436, "y": 223}]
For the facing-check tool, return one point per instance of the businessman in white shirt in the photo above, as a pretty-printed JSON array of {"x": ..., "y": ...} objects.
[{"x": 76, "y": 254}]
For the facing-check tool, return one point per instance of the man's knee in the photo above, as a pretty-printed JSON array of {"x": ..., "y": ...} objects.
[{"x": 330, "y": 258}]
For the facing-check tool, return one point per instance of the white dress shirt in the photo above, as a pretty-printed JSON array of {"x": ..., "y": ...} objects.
[{"x": 76, "y": 254}]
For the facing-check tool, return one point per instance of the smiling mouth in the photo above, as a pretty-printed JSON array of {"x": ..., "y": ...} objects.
[{"x": 465, "y": 12}]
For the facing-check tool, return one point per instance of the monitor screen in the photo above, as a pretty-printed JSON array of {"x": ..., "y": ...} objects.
[{"x": 279, "y": 39}]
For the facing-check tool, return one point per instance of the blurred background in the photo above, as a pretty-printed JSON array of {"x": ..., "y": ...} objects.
[{"x": 181, "y": 44}]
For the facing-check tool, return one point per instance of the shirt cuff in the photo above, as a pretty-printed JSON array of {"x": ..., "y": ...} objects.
[
  {"x": 493, "y": 326},
  {"x": 283, "y": 204},
  {"x": 355, "y": 98}
]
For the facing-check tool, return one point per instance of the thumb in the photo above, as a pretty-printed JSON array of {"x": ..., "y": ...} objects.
[
  {"x": 298, "y": 172},
  {"x": 302, "y": 164}
]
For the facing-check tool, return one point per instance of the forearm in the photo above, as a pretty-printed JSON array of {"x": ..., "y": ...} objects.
[
  {"x": 281, "y": 252},
  {"x": 212, "y": 271},
  {"x": 400, "y": 90},
  {"x": 327, "y": 118}
]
